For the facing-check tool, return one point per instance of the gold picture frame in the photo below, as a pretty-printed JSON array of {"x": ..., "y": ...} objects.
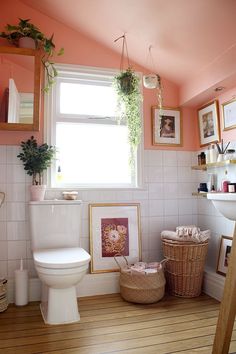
[
  {"x": 229, "y": 114},
  {"x": 224, "y": 253},
  {"x": 166, "y": 126},
  {"x": 114, "y": 230},
  {"x": 208, "y": 123}
]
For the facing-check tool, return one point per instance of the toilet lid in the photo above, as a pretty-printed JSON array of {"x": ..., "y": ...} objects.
[{"x": 61, "y": 257}]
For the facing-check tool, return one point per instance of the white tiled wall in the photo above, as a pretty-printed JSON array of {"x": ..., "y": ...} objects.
[{"x": 165, "y": 200}]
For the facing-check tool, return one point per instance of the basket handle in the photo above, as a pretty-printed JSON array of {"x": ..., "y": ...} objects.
[
  {"x": 120, "y": 255},
  {"x": 164, "y": 261}
]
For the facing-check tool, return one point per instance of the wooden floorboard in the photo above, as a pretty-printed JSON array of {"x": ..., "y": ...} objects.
[{"x": 111, "y": 325}]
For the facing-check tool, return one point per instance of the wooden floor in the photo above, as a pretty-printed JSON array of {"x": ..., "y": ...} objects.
[{"x": 110, "y": 325}]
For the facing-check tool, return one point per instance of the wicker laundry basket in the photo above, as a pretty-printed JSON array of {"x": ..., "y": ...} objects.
[
  {"x": 185, "y": 267},
  {"x": 3, "y": 295},
  {"x": 142, "y": 288}
]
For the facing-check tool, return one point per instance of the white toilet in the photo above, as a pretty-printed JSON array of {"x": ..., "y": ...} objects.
[{"x": 59, "y": 261}]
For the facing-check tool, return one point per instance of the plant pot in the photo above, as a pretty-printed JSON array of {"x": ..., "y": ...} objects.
[
  {"x": 26, "y": 42},
  {"x": 126, "y": 85},
  {"x": 220, "y": 157},
  {"x": 37, "y": 193},
  {"x": 150, "y": 81}
]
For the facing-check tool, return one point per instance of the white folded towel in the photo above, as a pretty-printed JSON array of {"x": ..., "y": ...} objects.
[{"x": 187, "y": 233}]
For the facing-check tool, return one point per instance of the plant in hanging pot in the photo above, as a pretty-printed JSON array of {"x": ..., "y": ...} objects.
[
  {"x": 36, "y": 158},
  {"x": 127, "y": 86},
  {"x": 15, "y": 34},
  {"x": 129, "y": 99}
]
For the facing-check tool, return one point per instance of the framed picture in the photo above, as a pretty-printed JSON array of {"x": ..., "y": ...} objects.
[
  {"x": 114, "y": 230},
  {"x": 224, "y": 254},
  {"x": 229, "y": 114},
  {"x": 208, "y": 122},
  {"x": 166, "y": 126}
]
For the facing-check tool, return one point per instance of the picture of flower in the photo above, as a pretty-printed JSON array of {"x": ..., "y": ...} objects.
[
  {"x": 114, "y": 231},
  {"x": 115, "y": 237}
]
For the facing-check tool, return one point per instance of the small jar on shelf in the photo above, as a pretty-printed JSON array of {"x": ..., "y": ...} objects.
[{"x": 230, "y": 154}]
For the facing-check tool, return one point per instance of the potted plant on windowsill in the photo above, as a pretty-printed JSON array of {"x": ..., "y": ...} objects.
[
  {"x": 36, "y": 158},
  {"x": 15, "y": 34}
]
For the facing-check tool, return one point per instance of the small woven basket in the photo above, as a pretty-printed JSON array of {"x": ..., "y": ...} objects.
[
  {"x": 185, "y": 267},
  {"x": 3, "y": 295},
  {"x": 141, "y": 288}
]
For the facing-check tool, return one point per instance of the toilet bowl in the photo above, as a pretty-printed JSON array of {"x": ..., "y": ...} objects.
[
  {"x": 60, "y": 270},
  {"x": 59, "y": 261}
]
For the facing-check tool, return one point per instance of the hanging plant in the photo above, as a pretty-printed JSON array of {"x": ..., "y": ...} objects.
[{"x": 127, "y": 85}]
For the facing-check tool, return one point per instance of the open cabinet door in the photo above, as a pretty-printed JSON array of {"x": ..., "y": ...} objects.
[{"x": 14, "y": 103}]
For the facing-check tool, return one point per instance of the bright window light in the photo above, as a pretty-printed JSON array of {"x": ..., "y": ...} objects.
[
  {"x": 85, "y": 99},
  {"x": 93, "y": 150},
  {"x": 93, "y": 153}
]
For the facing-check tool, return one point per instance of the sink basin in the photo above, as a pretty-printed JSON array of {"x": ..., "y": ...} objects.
[{"x": 225, "y": 203}]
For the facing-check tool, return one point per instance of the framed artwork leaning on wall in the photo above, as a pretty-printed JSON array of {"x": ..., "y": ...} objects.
[
  {"x": 224, "y": 255},
  {"x": 114, "y": 230}
]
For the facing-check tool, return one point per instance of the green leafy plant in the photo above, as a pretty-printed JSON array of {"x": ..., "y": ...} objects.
[
  {"x": 36, "y": 158},
  {"x": 27, "y": 29},
  {"x": 129, "y": 99}
]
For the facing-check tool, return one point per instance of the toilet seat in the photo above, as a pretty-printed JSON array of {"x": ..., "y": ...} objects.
[{"x": 61, "y": 258}]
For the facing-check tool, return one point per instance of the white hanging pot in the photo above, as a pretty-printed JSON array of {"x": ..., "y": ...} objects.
[
  {"x": 150, "y": 81},
  {"x": 37, "y": 192}
]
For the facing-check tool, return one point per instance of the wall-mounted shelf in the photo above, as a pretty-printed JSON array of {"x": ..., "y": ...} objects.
[{"x": 214, "y": 164}]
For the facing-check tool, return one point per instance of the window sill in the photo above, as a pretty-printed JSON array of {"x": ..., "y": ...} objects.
[{"x": 134, "y": 189}]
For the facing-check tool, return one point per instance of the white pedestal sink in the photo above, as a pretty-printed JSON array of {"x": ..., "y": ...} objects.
[{"x": 225, "y": 203}]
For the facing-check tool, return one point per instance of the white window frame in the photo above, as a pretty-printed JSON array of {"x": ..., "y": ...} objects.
[{"x": 50, "y": 128}]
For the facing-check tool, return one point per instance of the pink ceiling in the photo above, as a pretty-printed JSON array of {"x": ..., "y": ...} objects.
[{"x": 188, "y": 37}]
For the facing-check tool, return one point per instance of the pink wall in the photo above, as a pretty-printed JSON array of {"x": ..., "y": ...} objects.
[{"x": 83, "y": 50}]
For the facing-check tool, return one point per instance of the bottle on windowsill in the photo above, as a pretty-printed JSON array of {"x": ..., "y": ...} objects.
[{"x": 59, "y": 174}]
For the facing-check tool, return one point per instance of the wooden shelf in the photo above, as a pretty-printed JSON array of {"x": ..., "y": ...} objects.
[
  {"x": 201, "y": 195},
  {"x": 214, "y": 164}
]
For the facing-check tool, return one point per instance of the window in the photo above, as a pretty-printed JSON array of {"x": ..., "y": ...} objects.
[{"x": 93, "y": 149}]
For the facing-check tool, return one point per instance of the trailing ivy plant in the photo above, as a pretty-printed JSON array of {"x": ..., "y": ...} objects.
[
  {"x": 127, "y": 88},
  {"x": 36, "y": 158}
]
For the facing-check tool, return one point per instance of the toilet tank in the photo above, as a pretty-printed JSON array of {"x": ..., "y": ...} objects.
[{"x": 55, "y": 223}]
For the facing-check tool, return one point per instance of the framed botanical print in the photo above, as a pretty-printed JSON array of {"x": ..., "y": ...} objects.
[
  {"x": 114, "y": 231},
  {"x": 224, "y": 254},
  {"x": 229, "y": 114},
  {"x": 166, "y": 126},
  {"x": 208, "y": 123}
]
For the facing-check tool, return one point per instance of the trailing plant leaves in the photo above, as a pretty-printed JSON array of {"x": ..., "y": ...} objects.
[{"x": 129, "y": 99}]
